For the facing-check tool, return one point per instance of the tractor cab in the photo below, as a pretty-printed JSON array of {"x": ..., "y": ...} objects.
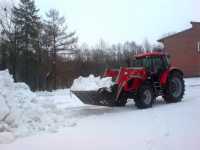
[{"x": 155, "y": 63}]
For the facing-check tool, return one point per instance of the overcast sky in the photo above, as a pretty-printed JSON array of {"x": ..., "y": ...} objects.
[{"x": 121, "y": 20}]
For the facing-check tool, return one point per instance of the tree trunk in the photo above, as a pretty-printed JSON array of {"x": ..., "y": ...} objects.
[{"x": 54, "y": 64}]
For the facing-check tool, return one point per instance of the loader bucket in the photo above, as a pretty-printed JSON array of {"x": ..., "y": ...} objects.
[{"x": 101, "y": 97}]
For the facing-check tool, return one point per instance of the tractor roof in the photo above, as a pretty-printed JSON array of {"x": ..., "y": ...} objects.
[{"x": 150, "y": 54}]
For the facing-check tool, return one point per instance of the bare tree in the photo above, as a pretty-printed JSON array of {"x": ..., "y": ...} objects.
[
  {"x": 147, "y": 46},
  {"x": 8, "y": 37},
  {"x": 58, "y": 39}
]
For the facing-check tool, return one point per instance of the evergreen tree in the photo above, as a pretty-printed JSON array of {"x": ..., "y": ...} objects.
[{"x": 27, "y": 25}]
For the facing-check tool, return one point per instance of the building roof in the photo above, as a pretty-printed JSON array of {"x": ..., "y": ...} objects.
[{"x": 194, "y": 24}]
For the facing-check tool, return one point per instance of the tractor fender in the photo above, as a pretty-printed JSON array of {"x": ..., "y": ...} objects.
[{"x": 166, "y": 74}]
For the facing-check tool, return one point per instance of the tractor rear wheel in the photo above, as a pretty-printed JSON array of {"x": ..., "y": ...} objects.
[
  {"x": 145, "y": 96},
  {"x": 175, "y": 88}
]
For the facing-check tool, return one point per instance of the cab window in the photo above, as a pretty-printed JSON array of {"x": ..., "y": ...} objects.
[
  {"x": 157, "y": 64},
  {"x": 142, "y": 62}
]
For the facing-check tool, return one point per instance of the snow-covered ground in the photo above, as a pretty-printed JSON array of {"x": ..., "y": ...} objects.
[{"x": 71, "y": 125}]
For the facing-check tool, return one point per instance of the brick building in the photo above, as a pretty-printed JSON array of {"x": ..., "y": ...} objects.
[{"x": 184, "y": 49}]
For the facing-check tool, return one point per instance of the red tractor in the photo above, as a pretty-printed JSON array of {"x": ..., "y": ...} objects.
[{"x": 150, "y": 76}]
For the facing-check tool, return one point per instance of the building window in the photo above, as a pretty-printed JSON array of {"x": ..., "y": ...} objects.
[{"x": 198, "y": 46}]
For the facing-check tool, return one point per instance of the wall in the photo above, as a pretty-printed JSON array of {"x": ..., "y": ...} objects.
[{"x": 183, "y": 50}]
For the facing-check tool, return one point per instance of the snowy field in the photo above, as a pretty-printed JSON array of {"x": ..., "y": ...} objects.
[{"x": 58, "y": 120}]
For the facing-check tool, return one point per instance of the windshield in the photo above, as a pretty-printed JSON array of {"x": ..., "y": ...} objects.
[
  {"x": 152, "y": 63},
  {"x": 141, "y": 62}
]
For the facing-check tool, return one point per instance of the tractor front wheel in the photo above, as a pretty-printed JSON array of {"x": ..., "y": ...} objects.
[
  {"x": 122, "y": 100},
  {"x": 145, "y": 96},
  {"x": 175, "y": 88}
]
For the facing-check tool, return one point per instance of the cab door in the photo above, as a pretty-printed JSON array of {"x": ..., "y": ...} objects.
[{"x": 157, "y": 67}]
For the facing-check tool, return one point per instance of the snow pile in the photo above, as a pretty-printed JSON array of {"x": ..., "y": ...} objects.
[
  {"x": 6, "y": 137},
  {"x": 91, "y": 83},
  {"x": 24, "y": 113}
]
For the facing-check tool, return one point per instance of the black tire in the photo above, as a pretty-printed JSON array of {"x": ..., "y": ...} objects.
[
  {"x": 122, "y": 100},
  {"x": 175, "y": 88},
  {"x": 145, "y": 96}
]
